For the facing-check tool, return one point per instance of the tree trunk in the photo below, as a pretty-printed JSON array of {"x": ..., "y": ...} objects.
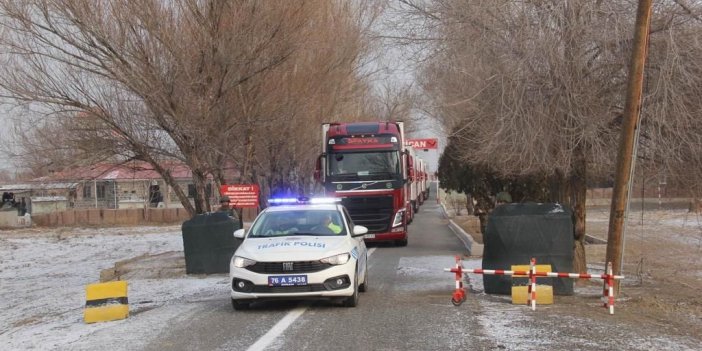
[
  {"x": 200, "y": 199},
  {"x": 177, "y": 189},
  {"x": 695, "y": 205},
  {"x": 577, "y": 194}
]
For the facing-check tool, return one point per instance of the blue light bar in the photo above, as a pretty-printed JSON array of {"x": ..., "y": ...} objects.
[
  {"x": 283, "y": 201},
  {"x": 325, "y": 200},
  {"x": 304, "y": 200}
]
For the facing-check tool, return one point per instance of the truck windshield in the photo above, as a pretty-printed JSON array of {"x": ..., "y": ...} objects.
[{"x": 384, "y": 164}]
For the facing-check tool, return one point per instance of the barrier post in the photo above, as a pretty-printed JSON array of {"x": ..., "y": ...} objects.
[
  {"x": 459, "y": 295},
  {"x": 608, "y": 293},
  {"x": 532, "y": 285}
]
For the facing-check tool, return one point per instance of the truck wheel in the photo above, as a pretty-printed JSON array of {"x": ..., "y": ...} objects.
[{"x": 402, "y": 242}]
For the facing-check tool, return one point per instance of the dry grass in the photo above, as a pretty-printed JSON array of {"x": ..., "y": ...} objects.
[{"x": 662, "y": 263}]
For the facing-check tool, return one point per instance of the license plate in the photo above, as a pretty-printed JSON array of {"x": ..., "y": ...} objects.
[
  {"x": 369, "y": 236},
  {"x": 287, "y": 280}
]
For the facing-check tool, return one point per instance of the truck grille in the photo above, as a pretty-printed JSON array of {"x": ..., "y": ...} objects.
[
  {"x": 372, "y": 212},
  {"x": 297, "y": 267}
]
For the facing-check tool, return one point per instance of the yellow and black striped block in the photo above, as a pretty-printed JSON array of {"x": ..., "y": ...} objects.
[{"x": 106, "y": 302}]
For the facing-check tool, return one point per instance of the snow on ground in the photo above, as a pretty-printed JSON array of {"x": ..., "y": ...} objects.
[
  {"x": 425, "y": 273},
  {"x": 680, "y": 225},
  {"x": 514, "y": 327},
  {"x": 43, "y": 276}
]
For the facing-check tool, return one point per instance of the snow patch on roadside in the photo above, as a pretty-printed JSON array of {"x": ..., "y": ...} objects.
[
  {"x": 425, "y": 273},
  {"x": 44, "y": 273},
  {"x": 509, "y": 327}
]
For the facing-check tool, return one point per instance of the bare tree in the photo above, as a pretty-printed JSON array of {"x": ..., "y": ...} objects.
[
  {"x": 197, "y": 81},
  {"x": 532, "y": 88}
]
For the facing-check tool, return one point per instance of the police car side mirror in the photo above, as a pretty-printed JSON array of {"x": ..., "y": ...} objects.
[
  {"x": 239, "y": 233},
  {"x": 359, "y": 230}
]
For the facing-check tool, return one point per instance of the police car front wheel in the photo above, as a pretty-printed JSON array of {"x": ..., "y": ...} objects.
[
  {"x": 352, "y": 301},
  {"x": 238, "y": 305},
  {"x": 364, "y": 287}
]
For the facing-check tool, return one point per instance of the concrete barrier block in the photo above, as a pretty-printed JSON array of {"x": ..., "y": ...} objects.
[
  {"x": 544, "y": 295},
  {"x": 106, "y": 302}
]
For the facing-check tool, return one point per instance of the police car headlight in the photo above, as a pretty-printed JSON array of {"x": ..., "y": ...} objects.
[
  {"x": 242, "y": 262},
  {"x": 337, "y": 259}
]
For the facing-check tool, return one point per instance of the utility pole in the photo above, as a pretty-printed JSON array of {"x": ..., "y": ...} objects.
[{"x": 631, "y": 117}]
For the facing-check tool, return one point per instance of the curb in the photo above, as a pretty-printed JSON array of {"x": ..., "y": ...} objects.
[
  {"x": 589, "y": 239},
  {"x": 466, "y": 238}
]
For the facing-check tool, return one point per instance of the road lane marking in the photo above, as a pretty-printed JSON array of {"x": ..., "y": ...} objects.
[
  {"x": 277, "y": 329},
  {"x": 270, "y": 336}
]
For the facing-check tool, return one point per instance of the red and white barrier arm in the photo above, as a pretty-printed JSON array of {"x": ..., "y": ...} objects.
[
  {"x": 538, "y": 274},
  {"x": 577, "y": 275}
]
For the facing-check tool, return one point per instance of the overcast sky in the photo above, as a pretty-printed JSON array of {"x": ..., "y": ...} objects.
[
  {"x": 393, "y": 68},
  {"x": 396, "y": 67}
]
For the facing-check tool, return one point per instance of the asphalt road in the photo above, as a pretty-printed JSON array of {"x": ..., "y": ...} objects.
[{"x": 407, "y": 307}]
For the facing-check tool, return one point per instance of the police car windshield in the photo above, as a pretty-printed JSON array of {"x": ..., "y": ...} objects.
[{"x": 298, "y": 222}]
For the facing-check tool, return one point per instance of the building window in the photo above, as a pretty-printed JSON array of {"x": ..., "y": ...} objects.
[
  {"x": 101, "y": 190},
  {"x": 191, "y": 191},
  {"x": 87, "y": 191}
]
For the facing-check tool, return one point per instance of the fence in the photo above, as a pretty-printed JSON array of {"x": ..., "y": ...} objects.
[{"x": 108, "y": 217}]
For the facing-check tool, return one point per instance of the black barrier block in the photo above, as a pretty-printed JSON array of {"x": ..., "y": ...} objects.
[
  {"x": 208, "y": 243},
  {"x": 517, "y": 232}
]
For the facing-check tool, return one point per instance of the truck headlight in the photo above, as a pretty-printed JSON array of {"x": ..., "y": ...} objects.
[
  {"x": 398, "y": 218},
  {"x": 242, "y": 262},
  {"x": 336, "y": 259}
]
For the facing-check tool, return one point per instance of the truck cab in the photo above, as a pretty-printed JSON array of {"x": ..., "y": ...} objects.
[{"x": 365, "y": 164}]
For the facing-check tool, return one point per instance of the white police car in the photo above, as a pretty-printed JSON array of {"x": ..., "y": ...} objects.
[{"x": 300, "y": 249}]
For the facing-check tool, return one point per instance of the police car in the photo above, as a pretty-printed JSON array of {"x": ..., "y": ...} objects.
[{"x": 299, "y": 249}]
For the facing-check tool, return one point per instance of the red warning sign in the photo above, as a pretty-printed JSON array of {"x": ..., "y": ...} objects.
[
  {"x": 424, "y": 143},
  {"x": 241, "y": 195}
]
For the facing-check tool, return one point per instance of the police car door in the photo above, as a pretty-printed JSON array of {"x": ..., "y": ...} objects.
[{"x": 360, "y": 244}]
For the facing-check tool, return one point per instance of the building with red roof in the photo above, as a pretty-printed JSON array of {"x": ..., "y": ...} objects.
[{"x": 134, "y": 184}]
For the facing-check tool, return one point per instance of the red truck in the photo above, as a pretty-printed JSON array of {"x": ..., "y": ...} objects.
[{"x": 366, "y": 165}]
